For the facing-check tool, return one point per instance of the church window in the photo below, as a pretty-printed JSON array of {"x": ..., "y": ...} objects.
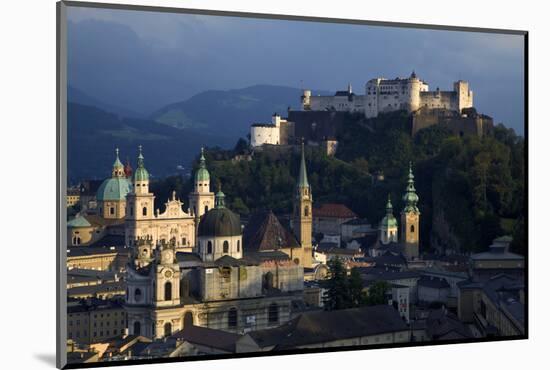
[
  {"x": 205, "y": 209},
  {"x": 273, "y": 313},
  {"x": 209, "y": 248},
  {"x": 167, "y": 329},
  {"x": 168, "y": 291},
  {"x": 232, "y": 318},
  {"x": 412, "y": 228},
  {"x": 268, "y": 280},
  {"x": 144, "y": 211},
  {"x": 137, "y": 328},
  {"x": 183, "y": 241},
  {"x": 112, "y": 210},
  {"x": 137, "y": 294},
  {"x": 187, "y": 319},
  {"x": 238, "y": 245},
  {"x": 225, "y": 246},
  {"x": 306, "y": 211}
]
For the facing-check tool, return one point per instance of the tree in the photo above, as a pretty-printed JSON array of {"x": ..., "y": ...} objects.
[
  {"x": 357, "y": 296},
  {"x": 377, "y": 293},
  {"x": 337, "y": 296}
]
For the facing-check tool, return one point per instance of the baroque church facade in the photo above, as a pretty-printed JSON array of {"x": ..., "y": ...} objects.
[{"x": 192, "y": 268}]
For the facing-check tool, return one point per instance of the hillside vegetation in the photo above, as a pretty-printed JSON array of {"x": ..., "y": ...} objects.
[{"x": 471, "y": 189}]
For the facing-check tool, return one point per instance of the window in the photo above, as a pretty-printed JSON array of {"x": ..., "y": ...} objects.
[
  {"x": 225, "y": 246},
  {"x": 412, "y": 228},
  {"x": 273, "y": 313},
  {"x": 238, "y": 245},
  {"x": 306, "y": 211},
  {"x": 137, "y": 294},
  {"x": 131, "y": 211},
  {"x": 209, "y": 248},
  {"x": 137, "y": 328},
  {"x": 232, "y": 318},
  {"x": 167, "y": 329},
  {"x": 187, "y": 319},
  {"x": 183, "y": 241},
  {"x": 168, "y": 291},
  {"x": 112, "y": 210},
  {"x": 144, "y": 211},
  {"x": 205, "y": 209}
]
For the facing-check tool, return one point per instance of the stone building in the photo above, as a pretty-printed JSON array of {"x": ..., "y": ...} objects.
[
  {"x": 172, "y": 224},
  {"x": 383, "y": 95},
  {"x": 329, "y": 217}
]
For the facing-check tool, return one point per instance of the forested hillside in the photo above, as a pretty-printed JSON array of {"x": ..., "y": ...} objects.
[{"x": 471, "y": 189}]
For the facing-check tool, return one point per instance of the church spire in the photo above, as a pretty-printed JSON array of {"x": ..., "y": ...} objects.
[
  {"x": 220, "y": 198},
  {"x": 118, "y": 167},
  {"x": 389, "y": 206},
  {"x": 410, "y": 198},
  {"x": 141, "y": 173},
  {"x": 302, "y": 177}
]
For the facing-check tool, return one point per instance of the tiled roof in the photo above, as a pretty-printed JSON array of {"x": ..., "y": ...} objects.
[
  {"x": 334, "y": 210},
  {"x": 209, "y": 337},
  {"x": 327, "y": 326},
  {"x": 264, "y": 232}
]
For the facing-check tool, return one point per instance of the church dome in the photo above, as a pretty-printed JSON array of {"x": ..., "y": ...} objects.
[
  {"x": 202, "y": 173},
  {"x": 220, "y": 221},
  {"x": 141, "y": 173},
  {"x": 114, "y": 188}
]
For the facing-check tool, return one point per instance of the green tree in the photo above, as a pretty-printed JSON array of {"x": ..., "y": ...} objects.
[
  {"x": 377, "y": 293},
  {"x": 337, "y": 296},
  {"x": 357, "y": 296}
]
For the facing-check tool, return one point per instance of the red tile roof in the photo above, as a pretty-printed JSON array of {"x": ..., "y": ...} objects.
[{"x": 335, "y": 210}]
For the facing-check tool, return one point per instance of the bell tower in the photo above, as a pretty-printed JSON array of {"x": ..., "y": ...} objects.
[
  {"x": 139, "y": 203},
  {"x": 410, "y": 219},
  {"x": 302, "y": 219},
  {"x": 201, "y": 199}
]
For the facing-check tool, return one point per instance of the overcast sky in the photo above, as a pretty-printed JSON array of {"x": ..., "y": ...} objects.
[{"x": 145, "y": 60}]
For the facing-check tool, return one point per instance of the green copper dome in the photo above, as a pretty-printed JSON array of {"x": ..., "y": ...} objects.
[
  {"x": 202, "y": 173},
  {"x": 410, "y": 198},
  {"x": 114, "y": 188},
  {"x": 141, "y": 173},
  {"x": 220, "y": 221},
  {"x": 388, "y": 220}
]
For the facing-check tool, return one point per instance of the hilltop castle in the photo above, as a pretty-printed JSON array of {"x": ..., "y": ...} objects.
[{"x": 383, "y": 95}]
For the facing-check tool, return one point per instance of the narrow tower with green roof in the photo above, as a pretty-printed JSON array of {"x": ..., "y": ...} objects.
[
  {"x": 201, "y": 199},
  {"x": 410, "y": 219},
  {"x": 388, "y": 225},
  {"x": 303, "y": 218}
]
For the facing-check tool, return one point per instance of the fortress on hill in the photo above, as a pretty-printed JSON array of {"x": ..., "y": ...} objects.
[
  {"x": 320, "y": 117},
  {"x": 383, "y": 95}
]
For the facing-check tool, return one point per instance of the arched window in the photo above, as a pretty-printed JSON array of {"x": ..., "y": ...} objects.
[
  {"x": 167, "y": 329},
  {"x": 112, "y": 210},
  {"x": 225, "y": 246},
  {"x": 306, "y": 211},
  {"x": 412, "y": 228},
  {"x": 144, "y": 211},
  {"x": 183, "y": 241},
  {"x": 137, "y": 328},
  {"x": 232, "y": 318},
  {"x": 205, "y": 209},
  {"x": 187, "y": 319},
  {"x": 137, "y": 294},
  {"x": 273, "y": 313},
  {"x": 268, "y": 280},
  {"x": 238, "y": 245},
  {"x": 209, "y": 248},
  {"x": 168, "y": 291}
]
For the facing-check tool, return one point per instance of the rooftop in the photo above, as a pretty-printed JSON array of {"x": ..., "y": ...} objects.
[
  {"x": 333, "y": 210},
  {"x": 208, "y": 337},
  {"x": 264, "y": 232}
]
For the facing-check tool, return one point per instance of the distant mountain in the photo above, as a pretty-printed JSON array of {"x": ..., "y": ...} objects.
[
  {"x": 230, "y": 112},
  {"x": 78, "y": 96},
  {"x": 94, "y": 133}
]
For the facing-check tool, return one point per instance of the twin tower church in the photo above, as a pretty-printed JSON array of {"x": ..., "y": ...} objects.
[{"x": 192, "y": 268}]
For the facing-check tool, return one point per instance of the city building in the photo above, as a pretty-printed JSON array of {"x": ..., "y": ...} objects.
[
  {"x": 324, "y": 329},
  {"x": 385, "y": 95},
  {"x": 329, "y": 217}
]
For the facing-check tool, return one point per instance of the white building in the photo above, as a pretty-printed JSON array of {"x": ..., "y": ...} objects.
[
  {"x": 383, "y": 95},
  {"x": 274, "y": 133}
]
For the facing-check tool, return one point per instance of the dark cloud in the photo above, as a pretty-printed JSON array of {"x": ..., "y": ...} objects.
[{"x": 143, "y": 60}]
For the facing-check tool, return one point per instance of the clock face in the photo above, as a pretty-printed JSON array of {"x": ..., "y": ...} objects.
[{"x": 168, "y": 274}]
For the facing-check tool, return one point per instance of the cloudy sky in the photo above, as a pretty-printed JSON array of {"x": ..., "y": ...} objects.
[{"x": 143, "y": 60}]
